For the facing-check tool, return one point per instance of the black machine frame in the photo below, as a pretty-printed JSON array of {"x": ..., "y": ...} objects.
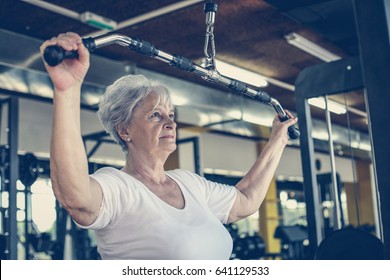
[
  {"x": 10, "y": 175},
  {"x": 371, "y": 72}
]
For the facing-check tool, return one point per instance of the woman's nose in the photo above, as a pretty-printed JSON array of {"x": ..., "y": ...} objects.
[{"x": 170, "y": 124}]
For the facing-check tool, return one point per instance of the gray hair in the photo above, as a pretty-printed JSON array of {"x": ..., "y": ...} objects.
[{"x": 118, "y": 103}]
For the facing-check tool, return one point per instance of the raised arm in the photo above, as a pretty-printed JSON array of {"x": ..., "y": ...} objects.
[
  {"x": 253, "y": 187},
  {"x": 73, "y": 188}
]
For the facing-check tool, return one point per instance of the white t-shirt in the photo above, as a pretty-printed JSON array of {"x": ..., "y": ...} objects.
[{"x": 133, "y": 223}]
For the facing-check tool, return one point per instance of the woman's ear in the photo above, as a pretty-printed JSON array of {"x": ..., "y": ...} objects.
[{"x": 124, "y": 132}]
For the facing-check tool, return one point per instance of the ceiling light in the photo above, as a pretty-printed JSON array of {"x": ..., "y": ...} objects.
[
  {"x": 332, "y": 106},
  {"x": 241, "y": 74},
  {"x": 98, "y": 21},
  {"x": 310, "y": 47}
]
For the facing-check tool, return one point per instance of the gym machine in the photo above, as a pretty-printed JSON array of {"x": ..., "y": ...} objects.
[
  {"x": 54, "y": 55},
  {"x": 370, "y": 72},
  {"x": 9, "y": 176}
]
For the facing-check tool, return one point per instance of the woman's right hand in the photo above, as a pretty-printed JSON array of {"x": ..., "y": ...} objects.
[{"x": 71, "y": 72}]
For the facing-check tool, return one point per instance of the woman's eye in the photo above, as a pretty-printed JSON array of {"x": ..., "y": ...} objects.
[
  {"x": 172, "y": 116},
  {"x": 156, "y": 115}
]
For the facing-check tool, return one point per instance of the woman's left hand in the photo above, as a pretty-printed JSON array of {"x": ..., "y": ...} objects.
[{"x": 280, "y": 129}]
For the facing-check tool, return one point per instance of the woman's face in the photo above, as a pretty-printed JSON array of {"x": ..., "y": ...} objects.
[{"x": 153, "y": 128}]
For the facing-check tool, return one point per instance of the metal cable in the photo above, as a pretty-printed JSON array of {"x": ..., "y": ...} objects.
[{"x": 355, "y": 186}]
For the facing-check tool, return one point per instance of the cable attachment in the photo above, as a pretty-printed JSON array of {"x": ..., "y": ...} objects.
[{"x": 210, "y": 8}]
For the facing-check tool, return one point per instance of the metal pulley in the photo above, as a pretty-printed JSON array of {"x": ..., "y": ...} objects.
[{"x": 210, "y": 8}]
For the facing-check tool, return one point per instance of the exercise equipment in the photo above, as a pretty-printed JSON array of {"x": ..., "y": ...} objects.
[
  {"x": 54, "y": 55},
  {"x": 9, "y": 170},
  {"x": 246, "y": 246},
  {"x": 325, "y": 184},
  {"x": 350, "y": 244},
  {"x": 312, "y": 82},
  {"x": 292, "y": 240},
  {"x": 28, "y": 169},
  {"x": 34, "y": 241}
]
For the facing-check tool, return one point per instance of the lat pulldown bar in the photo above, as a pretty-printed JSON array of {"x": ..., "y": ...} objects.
[{"x": 54, "y": 55}]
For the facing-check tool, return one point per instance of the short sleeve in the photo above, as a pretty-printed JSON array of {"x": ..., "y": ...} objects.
[
  {"x": 111, "y": 202},
  {"x": 220, "y": 198}
]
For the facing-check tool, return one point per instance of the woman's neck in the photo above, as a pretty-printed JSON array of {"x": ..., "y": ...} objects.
[{"x": 146, "y": 168}]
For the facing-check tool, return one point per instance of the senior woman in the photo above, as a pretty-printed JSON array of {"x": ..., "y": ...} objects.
[{"x": 143, "y": 211}]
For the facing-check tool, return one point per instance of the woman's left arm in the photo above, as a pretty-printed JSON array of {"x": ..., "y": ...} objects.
[{"x": 254, "y": 185}]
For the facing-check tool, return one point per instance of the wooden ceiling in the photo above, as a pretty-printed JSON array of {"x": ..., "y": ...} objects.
[{"x": 248, "y": 33}]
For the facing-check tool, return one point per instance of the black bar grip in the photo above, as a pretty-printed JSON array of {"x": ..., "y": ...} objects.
[
  {"x": 143, "y": 47},
  {"x": 54, "y": 55},
  {"x": 263, "y": 96},
  {"x": 182, "y": 63},
  {"x": 237, "y": 86},
  {"x": 293, "y": 132}
]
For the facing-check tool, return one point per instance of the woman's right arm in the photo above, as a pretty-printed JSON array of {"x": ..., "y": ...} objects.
[{"x": 76, "y": 192}]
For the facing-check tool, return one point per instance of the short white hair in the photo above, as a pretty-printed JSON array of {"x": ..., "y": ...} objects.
[{"x": 117, "y": 105}]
